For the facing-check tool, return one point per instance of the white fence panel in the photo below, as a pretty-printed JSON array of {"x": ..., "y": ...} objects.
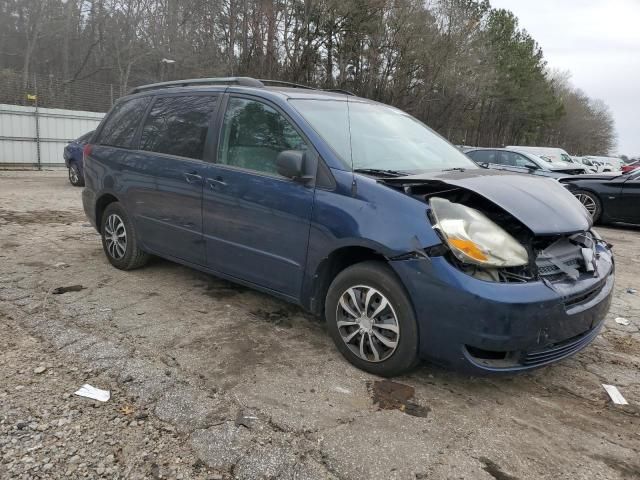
[{"x": 19, "y": 136}]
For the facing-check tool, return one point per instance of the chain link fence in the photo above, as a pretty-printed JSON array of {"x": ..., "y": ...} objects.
[{"x": 48, "y": 91}]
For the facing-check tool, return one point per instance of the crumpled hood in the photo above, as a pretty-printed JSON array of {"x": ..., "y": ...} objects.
[{"x": 542, "y": 204}]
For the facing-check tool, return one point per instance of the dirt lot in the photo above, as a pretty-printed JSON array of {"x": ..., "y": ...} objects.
[{"x": 211, "y": 380}]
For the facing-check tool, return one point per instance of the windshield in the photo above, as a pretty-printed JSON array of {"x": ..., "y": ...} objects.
[{"x": 379, "y": 137}]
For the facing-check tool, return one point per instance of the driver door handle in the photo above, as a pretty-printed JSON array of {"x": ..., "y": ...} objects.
[{"x": 192, "y": 177}]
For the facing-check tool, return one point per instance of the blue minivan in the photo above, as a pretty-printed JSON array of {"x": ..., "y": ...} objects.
[{"x": 355, "y": 211}]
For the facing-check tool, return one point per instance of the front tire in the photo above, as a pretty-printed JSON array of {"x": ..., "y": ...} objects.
[
  {"x": 371, "y": 319},
  {"x": 75, "y": 176},
  {"x": 119, "y": 239},
  {"x": 591, "y": 202}
]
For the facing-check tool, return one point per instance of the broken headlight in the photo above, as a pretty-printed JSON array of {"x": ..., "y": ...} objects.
[{"x": 475, "y": 239}]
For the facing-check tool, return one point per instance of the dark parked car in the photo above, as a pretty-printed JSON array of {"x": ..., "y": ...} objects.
[
  {"x": 73, "y": 159},
  {"x": 519, "y": 162},
  {"x": 355, "y": 211},
  {"x": 608, "y": 198}
]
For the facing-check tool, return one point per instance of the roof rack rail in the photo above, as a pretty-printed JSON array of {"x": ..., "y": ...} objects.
[
  {"x": 339, "y": 90},
  {"x": 286, "y": 84},
  {"x": 243, "y": 81}
]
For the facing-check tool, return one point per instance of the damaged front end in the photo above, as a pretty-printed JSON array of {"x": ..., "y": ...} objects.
[
  {"x": 519, "y": 280},
  {"x": 516, "y": 240}
]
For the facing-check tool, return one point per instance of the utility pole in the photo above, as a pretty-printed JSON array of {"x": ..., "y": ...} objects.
[{"x": 35, "y": 87}]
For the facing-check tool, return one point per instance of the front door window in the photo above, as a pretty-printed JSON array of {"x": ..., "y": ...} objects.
[{"x": 254, "y": 134}]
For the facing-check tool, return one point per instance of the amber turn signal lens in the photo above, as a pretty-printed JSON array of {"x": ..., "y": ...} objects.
[{"x": 469, "y": 248}]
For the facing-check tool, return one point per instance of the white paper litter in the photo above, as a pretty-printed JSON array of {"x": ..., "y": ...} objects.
[
  {"x": 615, "y": 395},
  {"x": 622, "y": 321},
  {"x": 342, "y": 390},
  {"x": 89, "y": 391}
]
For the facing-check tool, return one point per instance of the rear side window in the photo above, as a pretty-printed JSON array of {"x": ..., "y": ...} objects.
[
  {"x": 120, "y": 128},
  {"x": 178, "y": 125}
]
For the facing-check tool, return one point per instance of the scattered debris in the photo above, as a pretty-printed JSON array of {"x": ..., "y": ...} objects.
[
  {"x": 127, "y": 409},
  {"x": 92, "y": 392},
  {"x": 390, "y": 395},
  {"x": 632, "y": 290},
  {"x": 40, "y": 369},
  {"x": 623, "y": 321},
  {"x": 245, "y": 419},
  {"x": 71, "y": 288},
  {"x": 615, "y": 395},
  {"x": 60, "y": 265},
  {"x": 342, "y": 390}
]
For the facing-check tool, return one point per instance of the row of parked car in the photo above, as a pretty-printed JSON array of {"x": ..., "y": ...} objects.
[
  {"x": 605, "y": 186},
  {"x": 356, "y": 212}
]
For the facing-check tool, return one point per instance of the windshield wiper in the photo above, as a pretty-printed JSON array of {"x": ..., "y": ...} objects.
[
  {"x": 455, "y": 169},
  {"x": 379, "y": 171}
]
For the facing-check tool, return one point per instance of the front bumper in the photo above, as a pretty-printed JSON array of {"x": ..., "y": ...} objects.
[{"x": 487, "y": 327}]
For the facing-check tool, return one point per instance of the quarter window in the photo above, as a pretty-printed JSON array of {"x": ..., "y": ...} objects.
[
  {"x": 253, "y": 134},
  {"x": 121, "y": 126},
  {"x": 178, "y": 125}
]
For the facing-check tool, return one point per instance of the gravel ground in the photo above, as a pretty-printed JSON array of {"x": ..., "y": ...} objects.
[{"x": 212, "y": 380}]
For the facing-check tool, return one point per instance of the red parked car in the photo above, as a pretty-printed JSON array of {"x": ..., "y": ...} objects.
[{"x": 629, "y": 167}]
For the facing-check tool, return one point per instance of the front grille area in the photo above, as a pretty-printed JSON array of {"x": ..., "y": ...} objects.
[
  {"x": 561, "y": 257},
  {"x": 558, "y": 350},
  {"x": 551, "y": 269}
]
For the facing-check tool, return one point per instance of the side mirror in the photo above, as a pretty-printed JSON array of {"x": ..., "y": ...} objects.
[
  {"x": 532, "y": 167},
  {"x": 291, "y": 164}
]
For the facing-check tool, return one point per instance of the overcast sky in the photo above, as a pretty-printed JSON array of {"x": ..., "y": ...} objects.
[{"x": 598, "y": 41}]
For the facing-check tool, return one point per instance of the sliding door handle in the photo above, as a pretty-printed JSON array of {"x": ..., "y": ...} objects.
[{"x": 216, "y": 182}]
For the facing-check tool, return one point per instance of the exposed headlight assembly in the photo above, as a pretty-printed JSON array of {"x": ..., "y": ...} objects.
[{"x": 475, "y": 239}]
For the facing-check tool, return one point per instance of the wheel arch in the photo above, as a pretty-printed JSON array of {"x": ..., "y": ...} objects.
[
  {"x": 339, "y": 259},
  {"x": 101, "y": 204}
]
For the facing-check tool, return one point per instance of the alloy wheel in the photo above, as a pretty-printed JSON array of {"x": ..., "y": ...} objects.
[
  {"x": 74, "y": 176},
  {"x": 367, "y": 323},
  {"x": 588, "y": 203},
  {"x": 115, "y": 236}
]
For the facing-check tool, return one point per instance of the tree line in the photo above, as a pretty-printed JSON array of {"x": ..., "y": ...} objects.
[{"x": 466, "y": 69}]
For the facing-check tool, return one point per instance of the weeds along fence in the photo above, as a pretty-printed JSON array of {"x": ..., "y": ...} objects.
[{"x": 40, "y": 114}]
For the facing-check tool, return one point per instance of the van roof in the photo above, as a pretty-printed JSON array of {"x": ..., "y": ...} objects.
[{"x": 279, "y": 87}]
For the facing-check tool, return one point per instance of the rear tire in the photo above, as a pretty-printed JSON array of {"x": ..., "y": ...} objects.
[
  {"x": 371, "y": 319},
  {"x": 75, "y": 176},
  {"x": 119, "y": 239},
  {"x": 591, "y": 202}
]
